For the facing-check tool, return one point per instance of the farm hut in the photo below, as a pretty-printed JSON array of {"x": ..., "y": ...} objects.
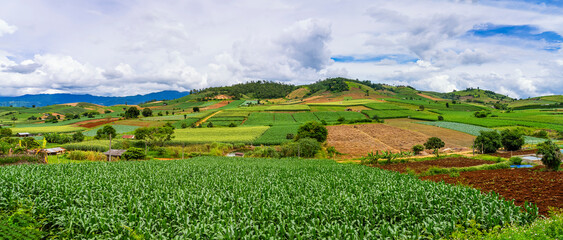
[
  {"x": 24, "y": 134},
  {"x": 235, "y": 154},
  {"x": 53, "y": 151},
  {"x": 128, "y": 137},
  {"x": 114, "y": 153}
]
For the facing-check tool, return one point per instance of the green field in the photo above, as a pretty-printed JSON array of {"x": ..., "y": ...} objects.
[
  {"x": 217, "y": 197},
  {"x": 260, "y": 119},
  {"x": 304, "y": 117},
  {"x": 384, "y": 106},
  {"x": 354, "y": 102},
  {"x": 47, "y": 129},
  {"x": 474, "y": 130},
  {"x": 284, "y": 119},
  {"x": 227, "y": 135},
  {"x": 276, "y": 135},
  {"x": 119, "y": 129},
  {"x": 384, "y": 114}
]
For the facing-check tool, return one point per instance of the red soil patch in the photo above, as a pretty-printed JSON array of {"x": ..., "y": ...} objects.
[
  {"x": 140, "y": 123},
  {"x": 423, "y": 166},
  {"x": 353, "y": 142},
  {"x": 94, "y": 123},
  {"x": 359, "y": 140},
  {"x": 509, "y": 154},
  {"x": 429, "y": 97},
  {"x": 447, "y": 135},
  {"x": 532, "y": 185},
  {"x": 217, "y": 105},
  {"x": 222, "y": 96}
]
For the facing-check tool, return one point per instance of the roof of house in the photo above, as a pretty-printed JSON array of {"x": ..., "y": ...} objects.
[
  {"x": 128, "y": 136},
  {"x": 24, "y": 133},
  {"x": 54, "y": 150},
  {"x": 115, "y": 152}
]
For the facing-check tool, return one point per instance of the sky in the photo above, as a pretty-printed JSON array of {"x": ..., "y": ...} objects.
[{"x": 129, "y": 47}]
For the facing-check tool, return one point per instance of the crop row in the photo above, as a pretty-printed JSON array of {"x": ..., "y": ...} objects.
[
  {"x": 276, "y": 135},
  {"x": 400, "y": 114},
  {"x": 217, "y": 197},
  {"x": 228, "y": 135}
]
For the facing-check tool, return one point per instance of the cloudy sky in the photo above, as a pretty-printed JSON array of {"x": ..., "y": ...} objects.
[{"x": 128, "y": 47}]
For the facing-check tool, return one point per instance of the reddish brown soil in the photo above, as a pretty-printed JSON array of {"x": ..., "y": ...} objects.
[
  {"x": 217, "y": 105},
  {"x": 429, "y": 97},
  {"x": 422, "y": 166},
  {"x": 359, "y": 140},
  {"x": 95, "y": 123},
  {"x": 140, "y": 123},
  {"x": 543, "y": 188},
  {"x": 447, "y": 135},
  {"x": 514, "y": 153}
]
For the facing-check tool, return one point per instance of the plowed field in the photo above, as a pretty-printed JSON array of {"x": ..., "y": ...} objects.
[
  {"x": 359, "y": 140},
  {"x": 545, "y": 189},
  {"x": 422, "y": 166},
  {"x": 95, "y": 123},
  {"x": 447, "y": 135}
]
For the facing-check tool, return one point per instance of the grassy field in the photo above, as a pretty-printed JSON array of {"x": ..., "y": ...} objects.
[
  {"x": 119, "y": 129},
  {"x": 353, "y": 102},
  {"x": 305, "y": 117},
  {"x": 276, "y": 135},
  {"x": 383, "y": 114},
  {"x": 229, "y": 135},
  {"x": 260, "y": 119},
  {"x": 284, "y": 119},
  {"x": 47, "y": 129},
  {"x": 217, "y": 197}
]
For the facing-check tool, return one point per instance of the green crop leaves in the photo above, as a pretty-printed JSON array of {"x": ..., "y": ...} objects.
[{"x": 216, "y": 197}]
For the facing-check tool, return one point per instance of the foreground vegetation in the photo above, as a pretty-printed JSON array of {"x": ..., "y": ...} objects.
[{"x": 212, "y": 197}]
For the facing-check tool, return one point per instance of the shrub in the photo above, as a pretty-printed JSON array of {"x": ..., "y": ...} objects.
[
  {"x": 105, "y": 132},
  {"x": 440, "y": 118},
  {"x": 232, "y": 125},
  {"x": 305, "y": 147},
  {"x": 5, "y": 132},
  {"x": 312, "y": 130},
  {"x": 290, "y": 136},
  {"x": 488, "y": 141},
  {"x": 210, "y": 125},
  {"x": 515, "y": 160},
  {"x": 133, "y": 153},
  {"x": 480, "y": 114},
  {"x": 268, "y": 152},
  {"x": 20, "y": 158},
  {"x": 434, "y": 143},
  {"x": 78, "y": 137},
  {"x": 551, "y": 155},
  {"x": 86, "y": 155},
  {"x": 417, "y": 148},
  {"x": 58, "y": 138},
  {"x": 512, "y": 140},
  {"x": 541, "y": 134}
]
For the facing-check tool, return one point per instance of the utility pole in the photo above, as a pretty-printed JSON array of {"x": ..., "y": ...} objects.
[{"x": 109, "y": 147}]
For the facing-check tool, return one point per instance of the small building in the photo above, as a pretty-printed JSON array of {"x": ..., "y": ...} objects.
[
  {"x": 128, "y": 137},
  {"x": 24, "y": 134},
  {"x": 114, "y": 153},
  {"x": 235, "y": 154},
  {"x": 53, "y": 151}
]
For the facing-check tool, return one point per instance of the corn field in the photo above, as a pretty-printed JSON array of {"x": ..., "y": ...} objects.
[{"x": 219, "y": 197}]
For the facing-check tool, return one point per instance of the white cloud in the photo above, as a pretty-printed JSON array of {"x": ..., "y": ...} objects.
[
  {"x": 115, "y": 47},
  {"x": 6, "y": 28}
]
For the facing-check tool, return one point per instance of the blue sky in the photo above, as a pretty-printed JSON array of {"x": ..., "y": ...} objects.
[{"x": 128, "y": 47}]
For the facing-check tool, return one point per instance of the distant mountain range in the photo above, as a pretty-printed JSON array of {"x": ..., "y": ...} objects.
[{"x": 40, "y": 100}]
